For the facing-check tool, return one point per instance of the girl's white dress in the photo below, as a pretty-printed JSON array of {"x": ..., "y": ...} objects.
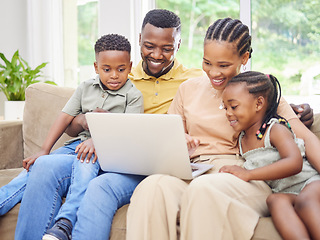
[{"x": 268, "y": 154}]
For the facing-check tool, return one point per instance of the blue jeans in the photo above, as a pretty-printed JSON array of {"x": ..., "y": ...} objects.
[
  {"x": 12, "y": 193},
  {"x": 105, "y": 194},
  {"x": 53, "y": 177},
  {"x": 49, "y": 182}
]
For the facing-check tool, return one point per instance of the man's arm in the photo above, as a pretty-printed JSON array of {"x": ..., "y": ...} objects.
[{"x": 79, "y": 123}]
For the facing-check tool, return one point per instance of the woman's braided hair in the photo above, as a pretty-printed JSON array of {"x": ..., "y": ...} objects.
[
  {"x": 268, "y": 86},
  {"x": 231, "y": 30}
]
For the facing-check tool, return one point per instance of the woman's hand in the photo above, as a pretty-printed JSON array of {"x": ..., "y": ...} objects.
[
  {"x": 85, "y": 151},
  {"x": 192, "y": 144},
  {"x": 239, "y": 172},
  {"x": 27, "y": 162}
]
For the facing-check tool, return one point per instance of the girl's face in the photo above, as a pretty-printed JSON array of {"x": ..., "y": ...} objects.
[
  {"x": 241, "y": 107},
  {"x": 221, "y": 62}
]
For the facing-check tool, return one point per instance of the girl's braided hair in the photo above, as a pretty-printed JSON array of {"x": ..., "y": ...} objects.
[{"x": 268, "y": 86}]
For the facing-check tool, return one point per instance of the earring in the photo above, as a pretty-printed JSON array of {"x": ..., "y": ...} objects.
[{"x": 244, "y": 68}]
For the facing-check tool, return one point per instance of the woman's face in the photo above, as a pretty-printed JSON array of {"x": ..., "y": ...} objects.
[{"x": 221, "y": 62}]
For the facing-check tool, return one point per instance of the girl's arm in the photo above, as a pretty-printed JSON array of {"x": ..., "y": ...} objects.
[
  {"x": 289, "y": 164},
  {"x": 312, "y": 143},
  {"x": 55, "y": 132}
]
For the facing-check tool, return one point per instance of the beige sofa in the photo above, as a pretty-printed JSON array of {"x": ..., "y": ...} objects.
[{"x": 20, "y": 139}]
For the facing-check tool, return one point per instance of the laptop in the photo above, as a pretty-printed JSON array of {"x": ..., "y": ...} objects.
[{"x": 142, "y": 144}]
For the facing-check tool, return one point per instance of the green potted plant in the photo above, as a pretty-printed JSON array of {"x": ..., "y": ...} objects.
[{"x": 15, "y": 76}]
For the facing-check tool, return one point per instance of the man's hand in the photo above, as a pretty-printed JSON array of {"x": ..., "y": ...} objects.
[{"x": 304, "y": 113}]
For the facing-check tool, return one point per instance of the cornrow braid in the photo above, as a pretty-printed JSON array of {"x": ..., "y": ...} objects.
[
  {"x": 268, "y": 86},
  {"x": 232, "y": 31}
]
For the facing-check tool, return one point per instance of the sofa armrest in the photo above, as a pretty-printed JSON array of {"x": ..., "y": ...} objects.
[
  {"x": 44, "y": 103},
  {"x": 11, "y": 144}
]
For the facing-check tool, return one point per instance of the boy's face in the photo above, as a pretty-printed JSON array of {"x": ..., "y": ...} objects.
[
  {"x": 158, "y": 47},
  {"x": 113, "y": 68}
]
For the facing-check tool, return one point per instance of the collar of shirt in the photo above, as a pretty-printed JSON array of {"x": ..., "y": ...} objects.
[
  {"x": 138, "y": 73},
  {"x": 122, "y": 91}
]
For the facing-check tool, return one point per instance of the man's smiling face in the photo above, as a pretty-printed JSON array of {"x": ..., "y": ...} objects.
[{"x": 158, "y": 48}]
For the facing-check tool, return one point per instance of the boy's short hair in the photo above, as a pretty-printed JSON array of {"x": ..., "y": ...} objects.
[
  {"x": 162, "y": 18},
  {"x": 112, "y": 42}
]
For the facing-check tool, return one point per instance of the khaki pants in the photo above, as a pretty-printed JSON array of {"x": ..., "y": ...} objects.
[{"x": 212, "y": 206}]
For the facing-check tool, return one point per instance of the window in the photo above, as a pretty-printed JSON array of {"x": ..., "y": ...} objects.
[
  {"x": 87, "y": 36},
  {"x": 80, "y": 24},
  {"x": 286, "y": 43}
]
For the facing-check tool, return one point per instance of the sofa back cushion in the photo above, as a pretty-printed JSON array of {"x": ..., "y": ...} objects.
[{"x": 44, "y": 103}]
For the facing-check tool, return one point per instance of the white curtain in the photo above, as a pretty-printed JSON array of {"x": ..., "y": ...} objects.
[{"x": 45, "y": 37}]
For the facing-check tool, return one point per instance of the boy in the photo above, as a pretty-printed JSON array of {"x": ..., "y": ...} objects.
[{"x": 110, "y": 91}]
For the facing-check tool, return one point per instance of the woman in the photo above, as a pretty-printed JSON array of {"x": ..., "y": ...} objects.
[{"x": 214, "y": 205}]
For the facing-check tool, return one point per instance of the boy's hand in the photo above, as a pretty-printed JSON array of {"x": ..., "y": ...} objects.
[
  {"x": 192, "y": 144},
  {"x": 85, "y": 151},
  {"x": 239, "y": 172},
  {"x": 27, "y": 162},
  {"x": 304, "y": 113}
]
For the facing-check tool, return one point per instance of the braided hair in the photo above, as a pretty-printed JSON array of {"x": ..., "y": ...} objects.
[
  {"x": 268, "y": 86},
  {"x": 111, "y": 42},
  {"x": 231, "y": 30}
]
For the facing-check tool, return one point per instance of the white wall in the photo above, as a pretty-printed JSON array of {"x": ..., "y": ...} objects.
[{"x": 13, "y": 19}]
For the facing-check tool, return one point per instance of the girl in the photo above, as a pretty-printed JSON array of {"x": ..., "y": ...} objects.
[
  {"x": 251, "y": 100},
  {"x": 214, "y": 205}
]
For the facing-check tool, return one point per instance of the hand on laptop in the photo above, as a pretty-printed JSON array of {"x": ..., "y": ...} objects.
[
  {"x": 85, "y": 151},
  {"x": 192, "y": 144}
]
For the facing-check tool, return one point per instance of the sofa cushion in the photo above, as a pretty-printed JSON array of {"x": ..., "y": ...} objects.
[{"x": 38, "y": 120}]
